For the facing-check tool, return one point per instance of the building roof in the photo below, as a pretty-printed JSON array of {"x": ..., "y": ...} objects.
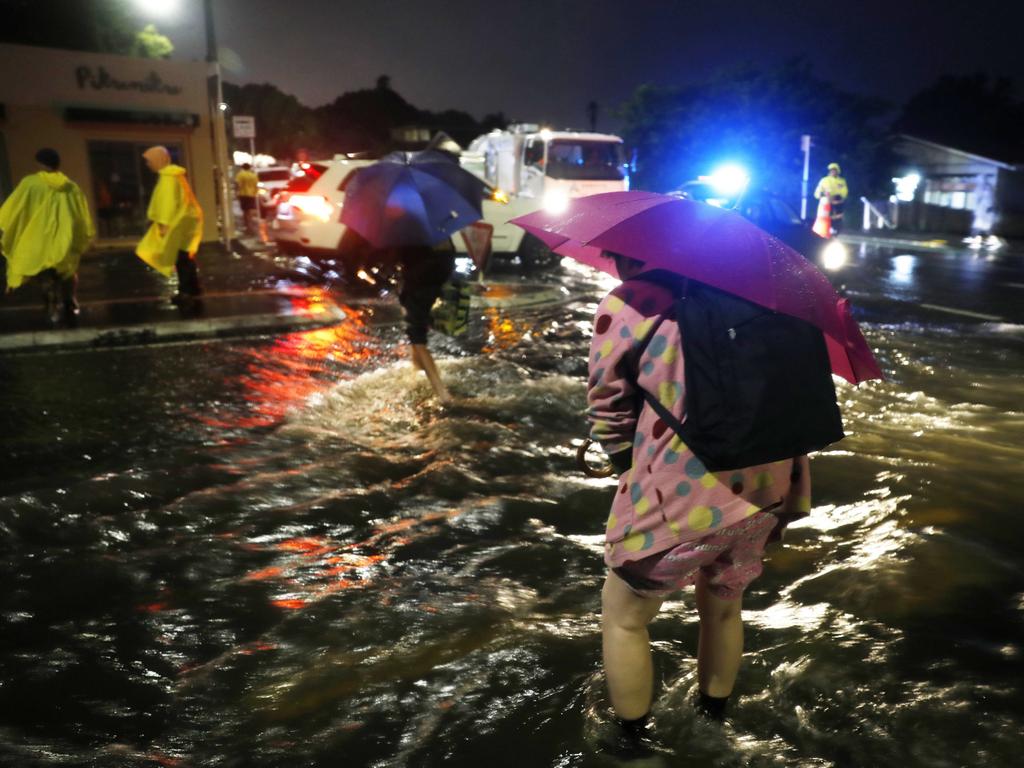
[{"x": 960, "y": 152}]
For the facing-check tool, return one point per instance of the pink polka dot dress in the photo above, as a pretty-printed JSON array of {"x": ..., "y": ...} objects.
[{"x": 668, "y": 496}]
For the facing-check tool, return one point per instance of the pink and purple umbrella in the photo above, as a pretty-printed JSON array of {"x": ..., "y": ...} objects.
[{"x": 714, "y": 246}]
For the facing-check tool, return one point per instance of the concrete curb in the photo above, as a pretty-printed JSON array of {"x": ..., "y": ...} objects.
[{"x": 169, "y": 331}]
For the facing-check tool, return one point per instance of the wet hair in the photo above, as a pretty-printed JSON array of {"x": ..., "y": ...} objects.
[
  {"x": 49, "y": 158},
  {"x": 246, "y": 166}
]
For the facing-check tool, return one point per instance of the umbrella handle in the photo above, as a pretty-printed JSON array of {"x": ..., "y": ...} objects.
[{"x": 588, "y": 469}]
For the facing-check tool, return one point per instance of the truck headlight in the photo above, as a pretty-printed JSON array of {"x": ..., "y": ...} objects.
[{"x": 556, "y": 201}]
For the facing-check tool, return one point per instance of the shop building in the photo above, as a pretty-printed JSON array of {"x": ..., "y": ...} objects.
[
  {"x": 959, "y": 191},
  {"x": 100, "y": 112}
]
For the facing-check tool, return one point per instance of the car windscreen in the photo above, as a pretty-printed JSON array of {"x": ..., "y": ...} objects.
[
  {"x": 278, "y": 174},
  {"x": 586, "y": 160}
]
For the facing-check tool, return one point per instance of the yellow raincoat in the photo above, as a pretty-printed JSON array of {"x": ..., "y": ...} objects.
[
  {"x": 45, "y": 224},
  {"x": 173, "y": 205}
]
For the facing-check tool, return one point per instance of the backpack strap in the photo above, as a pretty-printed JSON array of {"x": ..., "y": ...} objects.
[
  {"x": 679, "y": 287},
  {"x": 664, "y": 414}
]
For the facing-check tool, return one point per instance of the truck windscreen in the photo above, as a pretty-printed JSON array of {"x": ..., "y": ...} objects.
[{"x": 586, "y": 160}]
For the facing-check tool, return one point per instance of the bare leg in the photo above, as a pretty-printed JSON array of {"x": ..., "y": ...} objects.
[
  {"x": 627, "y": 647},
  {"x": 721, "y": 641},
  {"x": 423, "y": 360}
]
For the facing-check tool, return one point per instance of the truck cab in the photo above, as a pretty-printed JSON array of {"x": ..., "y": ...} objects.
[{"x": 540, "y": 168}]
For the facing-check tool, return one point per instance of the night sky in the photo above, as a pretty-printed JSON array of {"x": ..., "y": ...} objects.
[{"x": 544, "y": 60}]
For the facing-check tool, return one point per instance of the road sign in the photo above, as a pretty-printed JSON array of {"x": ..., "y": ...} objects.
[{"x": 243, "y": 126}]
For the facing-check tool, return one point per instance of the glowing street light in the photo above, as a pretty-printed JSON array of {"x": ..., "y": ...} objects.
[{"x": 160, "y": 8}]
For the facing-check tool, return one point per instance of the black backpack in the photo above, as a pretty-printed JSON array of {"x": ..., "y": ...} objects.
[{"x": 758, "y": 383}]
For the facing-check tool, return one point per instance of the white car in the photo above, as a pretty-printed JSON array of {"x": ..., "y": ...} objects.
[
  {"x": 272, "y": 181},
  {"x": 309, "y": 209}
]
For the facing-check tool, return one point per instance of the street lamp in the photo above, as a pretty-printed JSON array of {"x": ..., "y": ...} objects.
[
  {"x": 158, "y": 8},
  {"x": 165, "y": 9}
]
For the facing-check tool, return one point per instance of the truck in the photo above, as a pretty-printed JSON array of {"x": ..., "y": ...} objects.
[{"x": 532, "y": 168}]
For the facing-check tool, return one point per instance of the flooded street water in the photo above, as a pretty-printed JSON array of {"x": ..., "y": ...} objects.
[{"x": 282, "y": 552}]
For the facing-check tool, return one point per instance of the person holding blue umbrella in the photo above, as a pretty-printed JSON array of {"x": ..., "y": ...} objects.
[{"x": 412, "y": 203}]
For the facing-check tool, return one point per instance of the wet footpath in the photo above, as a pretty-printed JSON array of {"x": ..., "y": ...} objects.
[{"x": 122, "y": 301}]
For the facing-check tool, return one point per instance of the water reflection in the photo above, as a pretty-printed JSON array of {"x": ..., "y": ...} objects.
[
  {"x": 295, "y": 366},
  {"x": 320, "y": 564},
  {"x": 903, "y": 268}
]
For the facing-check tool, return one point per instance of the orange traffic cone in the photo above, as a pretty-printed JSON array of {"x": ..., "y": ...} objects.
[{"x": 823, "y": 223}]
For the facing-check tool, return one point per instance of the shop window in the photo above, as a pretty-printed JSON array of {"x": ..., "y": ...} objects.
[
  {"x": 534, "y": 153},
  {"x": 122, "y": 185}
]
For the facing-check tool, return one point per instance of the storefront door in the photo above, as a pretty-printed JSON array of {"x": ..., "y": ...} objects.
[{"x": 122, "y": 185}]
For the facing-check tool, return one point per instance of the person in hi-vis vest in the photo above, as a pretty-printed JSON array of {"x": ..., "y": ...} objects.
[{"x": 833, "y": 188}]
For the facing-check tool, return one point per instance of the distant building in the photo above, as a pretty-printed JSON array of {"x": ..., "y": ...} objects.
[
  {"x": 960, "y": 192},
  {"x": 100, "y": 111}
]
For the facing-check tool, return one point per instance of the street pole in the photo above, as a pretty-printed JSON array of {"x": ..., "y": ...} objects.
[
  {"x": 805, "y": 145},
  {"x": 252, "y": 161},
  {"x": 217, "y": 128}
]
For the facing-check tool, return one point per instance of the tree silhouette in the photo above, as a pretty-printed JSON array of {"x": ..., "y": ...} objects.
[
  {"x": 103, "y": 26},
  {"x": 754, "y": 117},
  {"x": 973, "y": 113}
]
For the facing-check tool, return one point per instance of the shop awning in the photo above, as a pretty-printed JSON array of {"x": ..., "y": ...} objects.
[{"x": 130, "y": 117}]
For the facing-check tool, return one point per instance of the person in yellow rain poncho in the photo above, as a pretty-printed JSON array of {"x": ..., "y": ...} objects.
[
  {"x": 171, "y": 242},
  {"x": 45, "y": 225},
  {"x": 833, "y": 189}
]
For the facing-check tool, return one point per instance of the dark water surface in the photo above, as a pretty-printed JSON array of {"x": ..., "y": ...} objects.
[{"x": 283, "y": 553}]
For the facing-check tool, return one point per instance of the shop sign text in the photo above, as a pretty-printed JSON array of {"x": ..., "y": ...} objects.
[{"x": 100, "y": 79}]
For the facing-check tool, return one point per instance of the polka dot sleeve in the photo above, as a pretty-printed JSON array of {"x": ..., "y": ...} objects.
[{"x": 625, "y": 321}]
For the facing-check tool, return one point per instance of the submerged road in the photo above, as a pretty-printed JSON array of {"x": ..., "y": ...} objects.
[{"x": 280, "y": 551}]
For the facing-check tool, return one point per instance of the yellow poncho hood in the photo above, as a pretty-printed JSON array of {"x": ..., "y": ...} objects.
[
  {"x": 46, "y": 225},
  {"x": 174, "y": 206}
]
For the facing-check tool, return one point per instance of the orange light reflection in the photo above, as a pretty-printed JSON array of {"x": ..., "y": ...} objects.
[
  {"x": 504, "y": 332},
  {"x": 296, "y": 366}
]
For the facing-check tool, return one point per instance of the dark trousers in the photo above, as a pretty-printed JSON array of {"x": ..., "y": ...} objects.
[{"x": 188, "y": 275}]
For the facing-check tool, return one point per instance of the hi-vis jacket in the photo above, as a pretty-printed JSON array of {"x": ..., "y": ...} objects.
[
  {"x": 45, "y": 224},
  {"x": 833, "y": 186},
  {"x": 174, "y": 206}
]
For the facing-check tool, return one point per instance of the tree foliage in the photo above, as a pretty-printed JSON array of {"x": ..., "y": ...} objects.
[
  {"x": 356, "y": 121},
  {"x": 754, "y": 117},
  {"x": 101, "y": 26},
  {"x": 974, "y": 112},
  {"x": 282, "y": 123}
]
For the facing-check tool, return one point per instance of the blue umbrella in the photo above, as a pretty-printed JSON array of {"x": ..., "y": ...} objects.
[{"x": 412, "y": 198}]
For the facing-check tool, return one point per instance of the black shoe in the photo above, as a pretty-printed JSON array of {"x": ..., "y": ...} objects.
[{"x": 631, "y": 745}]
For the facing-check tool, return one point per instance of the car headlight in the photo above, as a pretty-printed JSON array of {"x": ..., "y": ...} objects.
[{"x": 834, "y": 255}]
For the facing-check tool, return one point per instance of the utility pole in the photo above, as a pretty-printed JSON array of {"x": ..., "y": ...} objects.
[
  {"x": 805, "y": 145},
  {"x": 218, "y": 130}
]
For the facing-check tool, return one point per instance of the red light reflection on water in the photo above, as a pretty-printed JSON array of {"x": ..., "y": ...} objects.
[
  {"x": 309, "y": 568},
  {"x": 295, "y": 366}
]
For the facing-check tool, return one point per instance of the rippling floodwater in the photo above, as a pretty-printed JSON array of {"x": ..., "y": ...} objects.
[{"x": 282, "y": 553}]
